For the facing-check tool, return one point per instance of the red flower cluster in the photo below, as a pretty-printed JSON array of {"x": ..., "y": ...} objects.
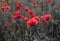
[
  {"x": 34, "y": 20},
  {"x": 18, "y": 15},
  {"x": 7, "y": 7}
]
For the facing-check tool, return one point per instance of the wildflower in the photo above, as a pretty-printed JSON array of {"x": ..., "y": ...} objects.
[
  {"x": 31, "y": 13},
  {"x": 18, "y": 15},
  {"x": 8, "y": 7},
  {"x": 37, "y": 18},
  {"x": 47, "y": 17},
  {"x": 34, "y": 4},
  {"x": 3, "y": 8},
  {"x": 18, "y": 6},
  {"x": 26, "y": 9},
  {"x": 49, "y": 0},
  {"x": 33, "y": 21}
]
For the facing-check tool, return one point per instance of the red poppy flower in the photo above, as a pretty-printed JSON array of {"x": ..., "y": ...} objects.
[
  {"x": 34, "y": 4},
  {"x": 18, "y": 15},
  {"x": 18, "y": 6},
  {"x": 26, "y": 9},
  {"x": 31, "y": 13},
  {"x": 47, "y": 17},
  {"x": 49, "y": 0},
  {"x": 3, "y": 8},
  {"x": 37, "y": 18},
  {"x": 33, "y": 21},
  {"x": 8, "y": 7}
]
